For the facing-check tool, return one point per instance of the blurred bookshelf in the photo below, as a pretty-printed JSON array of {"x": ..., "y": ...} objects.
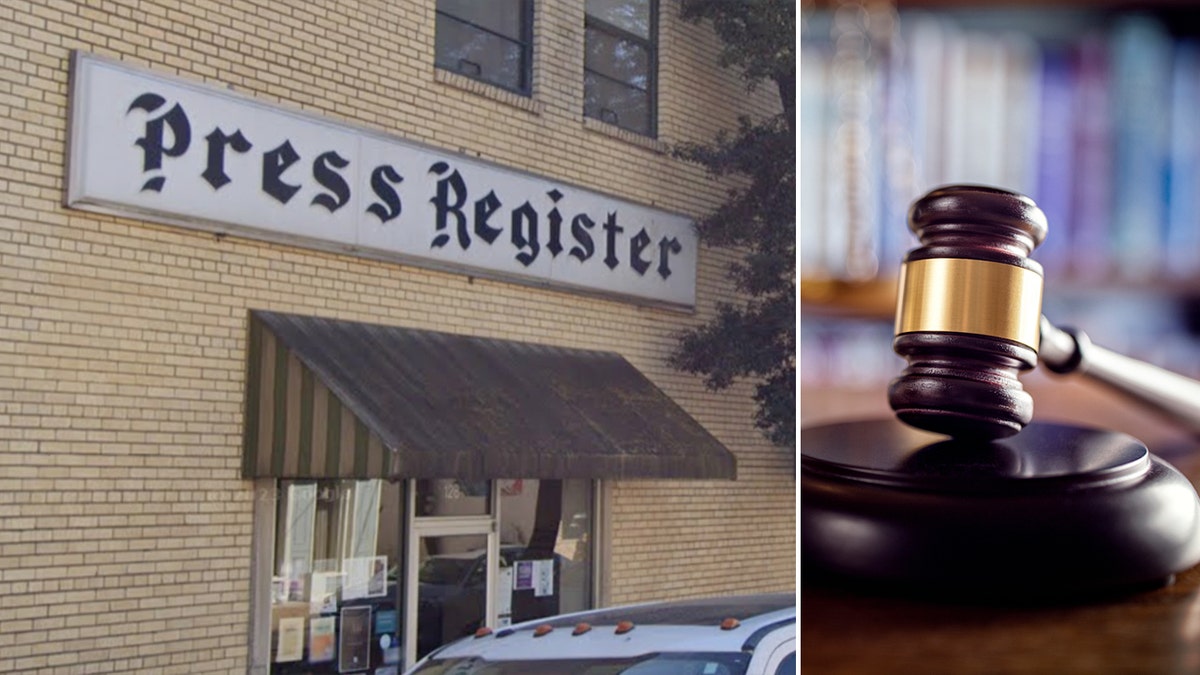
[{"x": 1091, "y": 109}]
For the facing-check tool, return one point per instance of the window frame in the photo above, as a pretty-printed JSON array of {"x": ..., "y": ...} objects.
[
  {"x": 650, "y": 44},
  {"x": 525, "y": 43},
  {"x": 421, "y": 527},
  {"x": 265, "y": 544}
]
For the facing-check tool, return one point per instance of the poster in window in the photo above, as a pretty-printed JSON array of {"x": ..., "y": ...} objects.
[
  {"x": 543, "y": 578},
  {"x": 524, "y": 577},
  {"x": 321, "y": 634},
  {"x": 279, "y": 589},
  {"x": 355, "y": 584},
  {"x": 385, "y": 634},
  {"x": 354, "y": 645},
  {"x": 325, "y": 587},
  {"x": 377, "y": 584},
  {"x": 325, "y": 565},
  {"x": 504, "y": 593},
  {"x": 291, "y": 639},
  {"x": 365, "y": 577}
]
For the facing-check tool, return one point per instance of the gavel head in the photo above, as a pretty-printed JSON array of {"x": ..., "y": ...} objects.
[{"x": 968, "y": 312}]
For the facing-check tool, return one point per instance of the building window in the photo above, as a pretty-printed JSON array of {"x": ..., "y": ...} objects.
[
  {"x": 368, "y": 574},
  {"x": 334, "y": 584},
  {"x": 551, "y": 521},
  {"x": 620, "y": 62},
  {"x": 488, "y": 41}
]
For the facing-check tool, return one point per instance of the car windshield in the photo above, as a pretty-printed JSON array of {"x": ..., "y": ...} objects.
[
  {"x": 654, "y": 664},
  {"x": 444, "y": 571}
]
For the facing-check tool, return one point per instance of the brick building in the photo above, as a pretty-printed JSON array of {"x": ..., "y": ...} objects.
[{"x": 334, "y": 329}]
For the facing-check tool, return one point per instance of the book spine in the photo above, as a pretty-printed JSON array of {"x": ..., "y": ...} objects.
[
  {"x": 897, "y": 164},
  {"x": 1022, "y": 114},
  {"x": 1096, "y": 127},
  {"x": 1140, "y": 86},
  {"x": 1183, "y": 174},
  {"x": 1091, "y": 197},
  {"x": 1055, "y": 159},
  {"x": 816, "y": 103},
  {"x": 926, "y": 72}
]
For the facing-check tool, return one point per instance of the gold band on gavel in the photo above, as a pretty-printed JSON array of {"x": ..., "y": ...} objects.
[{"x": 960, "y": 295}]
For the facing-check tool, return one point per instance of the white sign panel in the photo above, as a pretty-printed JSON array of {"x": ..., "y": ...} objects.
[{"x": 189, "y": 154}]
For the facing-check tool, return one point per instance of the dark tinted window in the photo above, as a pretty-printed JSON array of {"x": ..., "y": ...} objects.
[
  {"x": 620, "y": 63},
  {"x": 488, "y": 41},
  {"x": 445, "y": 571}
]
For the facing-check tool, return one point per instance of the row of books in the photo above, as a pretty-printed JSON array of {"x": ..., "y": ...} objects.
[
  {"x": 846, "y": 354},
  {"x": 1093, "y": 115}
]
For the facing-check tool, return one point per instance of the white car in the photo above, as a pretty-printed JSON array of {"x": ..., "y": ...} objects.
[{"x": 737, "y": 635}]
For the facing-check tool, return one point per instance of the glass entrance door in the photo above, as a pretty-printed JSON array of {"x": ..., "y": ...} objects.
[
  {"x": 449, "y": 592},
  {"x": 452, "y": 588},
  {"x": 493, "y": 553}
]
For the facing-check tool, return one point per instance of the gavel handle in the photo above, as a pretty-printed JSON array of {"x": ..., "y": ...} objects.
[{"x": 1070, "y": 351}]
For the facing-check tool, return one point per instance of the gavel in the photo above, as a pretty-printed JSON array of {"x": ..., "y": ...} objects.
[{"x": 969, "y": 321}]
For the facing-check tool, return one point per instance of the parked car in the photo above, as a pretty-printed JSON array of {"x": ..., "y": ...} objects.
[{"x": 736, "y": 635}]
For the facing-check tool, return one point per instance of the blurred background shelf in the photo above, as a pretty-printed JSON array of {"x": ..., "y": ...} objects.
[
  {"x": 1090, "y": 108},
  {"x": 869, "y": 299}
]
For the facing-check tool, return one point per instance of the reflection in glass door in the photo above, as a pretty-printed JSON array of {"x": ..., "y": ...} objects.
[
  {"x": 448, "y": 588},
  {"x": 491, "y": 553}
]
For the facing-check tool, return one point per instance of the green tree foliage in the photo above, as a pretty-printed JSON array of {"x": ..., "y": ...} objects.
[{"x": 755, "y": 339}]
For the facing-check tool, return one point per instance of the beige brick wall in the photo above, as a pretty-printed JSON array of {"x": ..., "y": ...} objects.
[{"x": 124, "y": 524}]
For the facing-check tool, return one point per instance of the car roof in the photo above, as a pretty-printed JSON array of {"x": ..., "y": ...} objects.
[
  {"x": 658, "y": 627},
  {"x": 474, "y": 553}
]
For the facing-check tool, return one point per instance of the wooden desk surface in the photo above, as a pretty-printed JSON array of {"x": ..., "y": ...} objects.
[{"x": 1153, "y": 632}]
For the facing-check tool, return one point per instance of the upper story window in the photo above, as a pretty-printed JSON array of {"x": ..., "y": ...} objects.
[
  {"x": 620, "y": 63},
  {"x": 488, "y": 41}
]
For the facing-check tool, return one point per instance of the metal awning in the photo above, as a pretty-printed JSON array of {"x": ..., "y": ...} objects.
[{"x": 339, "y": 399}]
